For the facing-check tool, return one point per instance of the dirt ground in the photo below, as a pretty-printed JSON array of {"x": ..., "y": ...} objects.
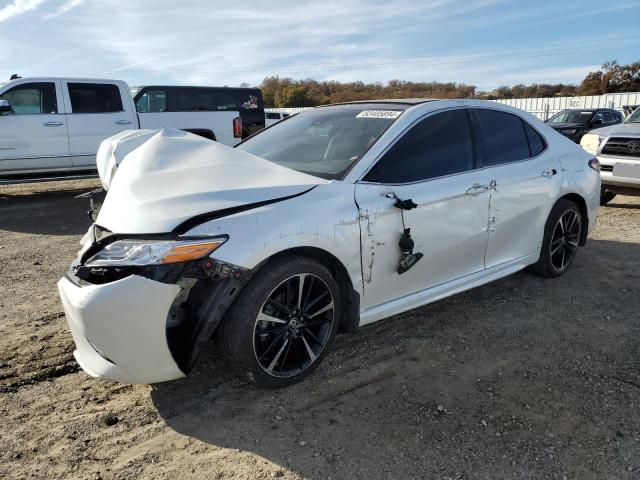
[{"x": 525, "y": 378}]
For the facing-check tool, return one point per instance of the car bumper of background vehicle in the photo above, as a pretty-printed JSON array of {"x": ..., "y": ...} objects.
[
  {"x": 608, "y": 176},
  {"x": 120, "y": 328}
]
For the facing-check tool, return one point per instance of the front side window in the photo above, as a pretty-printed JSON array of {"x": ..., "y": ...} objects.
[
  {"x": 94, "y": 98},
  {"x": 325, "y": 142},
  {"x": 611, "y": 117},
  {"x": 152, "y": 101},
  {"x": 504, "y": 137},
  {"x": 437, "y": 146},
  {"x": 32, "y": 98}
]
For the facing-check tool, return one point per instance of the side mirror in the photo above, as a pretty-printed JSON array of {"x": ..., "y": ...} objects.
[
  {"x": 5, "y": 107},
  {"x": 597, "y": 122}
]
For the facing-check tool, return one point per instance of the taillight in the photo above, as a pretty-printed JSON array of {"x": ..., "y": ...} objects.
[
  {"x": 237, "y": 127},
  {"x": 595, "y": 164}
]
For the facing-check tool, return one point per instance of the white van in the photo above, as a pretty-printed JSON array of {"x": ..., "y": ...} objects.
[{"x": 55, "y": 125}]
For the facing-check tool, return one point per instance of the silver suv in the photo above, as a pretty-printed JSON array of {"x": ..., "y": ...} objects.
[{"x": 618, "y": 150}]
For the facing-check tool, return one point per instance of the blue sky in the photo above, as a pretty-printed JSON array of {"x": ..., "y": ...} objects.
[{"x": 487, "y": 43}]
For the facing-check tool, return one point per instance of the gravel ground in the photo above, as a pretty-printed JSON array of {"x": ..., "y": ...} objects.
[{"x": 524, "y": 378}]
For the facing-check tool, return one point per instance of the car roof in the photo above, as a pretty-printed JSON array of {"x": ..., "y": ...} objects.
[
  {"x": 586, "y": 109},
  {"x": 394, "y": 101}
]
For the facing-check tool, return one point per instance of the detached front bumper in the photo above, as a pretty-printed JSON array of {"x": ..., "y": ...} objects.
[{"x": 120, "y": 328}]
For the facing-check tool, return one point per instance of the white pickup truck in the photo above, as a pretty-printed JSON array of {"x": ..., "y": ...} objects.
[{"x": 55, "y": 125}]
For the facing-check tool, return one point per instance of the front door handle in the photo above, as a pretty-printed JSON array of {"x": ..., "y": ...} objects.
[
  {"x": 549, "y": 173},
  {"x": 123, "y": 122},
  {"x": 477, "y": 189},
  {"x": 53, "y": 124}
]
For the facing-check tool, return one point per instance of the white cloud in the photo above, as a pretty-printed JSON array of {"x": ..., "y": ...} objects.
[
  {"x": 62, "y": 9},
  {"x": 18, "y": 7}
]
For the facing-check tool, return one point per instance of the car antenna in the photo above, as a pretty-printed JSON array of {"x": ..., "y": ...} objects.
[
  {"x": 15, "y": 76},
  {"x": 407, "y": 258}
]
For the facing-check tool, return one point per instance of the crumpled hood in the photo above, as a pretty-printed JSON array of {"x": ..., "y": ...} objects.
[
  {"x": 621, "y": 129},
  {"x": 173, "y": 176}
]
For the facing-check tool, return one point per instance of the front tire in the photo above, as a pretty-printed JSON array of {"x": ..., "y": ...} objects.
[
  {"x": 281, "y": 325},
  {"x": 562, "y": 233},
  {"x": 606, "y": 196}
]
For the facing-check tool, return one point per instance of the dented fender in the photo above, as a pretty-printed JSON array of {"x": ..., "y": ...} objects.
[{"x": 325, "y": 218}]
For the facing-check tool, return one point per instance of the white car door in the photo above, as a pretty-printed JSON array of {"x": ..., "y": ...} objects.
[
  {"x": 33, "y": 136},
  {"x": 97, "y": 110},
  {"x": 433, "y": 164},
  {"x": 525, "y": 176}
]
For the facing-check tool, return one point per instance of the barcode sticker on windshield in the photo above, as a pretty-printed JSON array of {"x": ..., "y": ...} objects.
[{"x": 379, "y": 114}]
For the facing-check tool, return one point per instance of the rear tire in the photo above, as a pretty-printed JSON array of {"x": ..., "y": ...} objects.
[
  {"x": 280, "y": 327},
  {"x": 606, "y": 196},
  {"x": 562, "y": 233}
]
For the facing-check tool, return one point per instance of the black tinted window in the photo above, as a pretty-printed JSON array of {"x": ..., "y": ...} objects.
[
  {"x": 536, "y": 142},
  {"x": 438, "y": 145},
  {"x": 36, "y": 97},
  {"x": 197, "y": 100},
  {"x": 215, "y": 99},
  {"x": 95, "y": 98},
  {"x": 611, "y": 117},
  {"x": 504, "y": 136}
]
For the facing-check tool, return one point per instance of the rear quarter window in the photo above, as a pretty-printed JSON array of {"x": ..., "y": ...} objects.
[{"x": 536, "y": 142}]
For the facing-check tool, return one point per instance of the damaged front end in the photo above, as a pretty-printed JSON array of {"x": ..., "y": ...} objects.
[{"x": 141, "y": 309}]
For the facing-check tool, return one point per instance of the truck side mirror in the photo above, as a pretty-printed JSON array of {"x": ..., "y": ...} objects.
[
  {"x": 597, "y": 121},
  {"x": 5, "y": 107}
]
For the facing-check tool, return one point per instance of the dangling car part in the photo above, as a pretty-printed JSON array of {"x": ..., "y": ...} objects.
[{"x": 329, "y": 220}]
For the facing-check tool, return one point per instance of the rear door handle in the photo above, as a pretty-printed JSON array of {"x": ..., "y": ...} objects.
[
  {"x": 123, "y": 122},
  {"x": 549, "y": 173},
  {"x": 52, "y": 124},
  {"x": 477, "y": 189}
]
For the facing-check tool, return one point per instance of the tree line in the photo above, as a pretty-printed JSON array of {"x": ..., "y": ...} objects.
[{"x": 287, "y": 92}]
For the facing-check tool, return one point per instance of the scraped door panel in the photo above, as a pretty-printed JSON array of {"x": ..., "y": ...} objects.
[
  {"x": 449, "y": 227},
  {"x": 520, "y": 203}
]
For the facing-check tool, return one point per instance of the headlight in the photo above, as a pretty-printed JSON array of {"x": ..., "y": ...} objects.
[
  {"x": 591, "y": 142},
  {"x": 153, "y": 252}
]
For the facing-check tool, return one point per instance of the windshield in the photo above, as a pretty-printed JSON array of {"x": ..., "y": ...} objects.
[
  {"x": 325, "y": 142},
  {"x": 572, "y": 116},
  {"x": 634, "y": 117}
]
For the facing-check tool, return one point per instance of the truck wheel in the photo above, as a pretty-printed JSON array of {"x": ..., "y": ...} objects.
[
  {"x": 562, "y": 233},
  {"x": 606, "y": 196},
  {"x": 281, "y": 325}
]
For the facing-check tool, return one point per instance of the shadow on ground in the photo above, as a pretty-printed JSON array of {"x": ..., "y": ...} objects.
[
  {"x": 522, "y": 378},
  {"x": 46, "y": 212}
]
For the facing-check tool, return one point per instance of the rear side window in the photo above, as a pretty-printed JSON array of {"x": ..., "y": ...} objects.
[
  {"x": 504, "y": 137},
  {"x": 197, "y": 100},
  {"x": 30, "y": 98},
  {"x": 437, "y": 146},
  {"x": 536, "y": 142},
  {"x": 94, "y": 98}
]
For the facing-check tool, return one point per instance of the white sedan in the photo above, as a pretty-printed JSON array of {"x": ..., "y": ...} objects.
[{"x": 329, "y": 220}]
